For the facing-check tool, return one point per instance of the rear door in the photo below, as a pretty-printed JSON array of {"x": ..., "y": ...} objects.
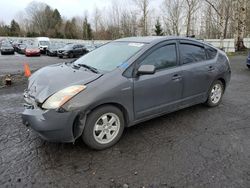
[
  {"x": 81, "y": 50},
  {"x": 198, "y": 72},
  {"x": 160, "y": 92},
  {"x": 77, "y": 50}
]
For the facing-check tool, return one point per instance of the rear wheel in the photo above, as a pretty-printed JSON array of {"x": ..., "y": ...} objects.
[
  {"x": 104, "y": 127},
  {"x": 215, "y": 94}
]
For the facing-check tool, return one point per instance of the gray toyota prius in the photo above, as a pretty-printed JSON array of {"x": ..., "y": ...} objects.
[{"x": 120, "y": 84}]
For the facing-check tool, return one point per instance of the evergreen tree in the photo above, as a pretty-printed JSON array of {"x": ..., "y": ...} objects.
[
  {"x": 70, "y": 29},
  {"x": 57, "y": 17},
  {"x": 87, "y": 31},
  {"x": 67, "y": 30},
  {"x": 14, "y": 29},
  {"x": 158, "y": 28},
  {"x": 57, "y": 22}
]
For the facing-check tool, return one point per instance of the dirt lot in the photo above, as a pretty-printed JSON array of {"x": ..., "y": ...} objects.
[{"x": 194, "y": 147}]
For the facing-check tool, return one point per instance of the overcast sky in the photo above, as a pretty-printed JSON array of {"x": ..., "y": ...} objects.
[{"x": 68, "y": 8}]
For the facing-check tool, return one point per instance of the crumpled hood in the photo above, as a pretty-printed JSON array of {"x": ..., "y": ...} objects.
[{"x": 48, "y": 80}]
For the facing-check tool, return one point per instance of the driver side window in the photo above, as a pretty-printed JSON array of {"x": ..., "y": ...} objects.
[{"x": 162, "y": 58}]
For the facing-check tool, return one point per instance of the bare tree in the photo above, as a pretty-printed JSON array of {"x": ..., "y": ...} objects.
[
  {"x": 128, "y": 23},
  {"x": 173, "y": 16},
  {"x": 143, "y": 5},
  {"x": 219, "y": 8},
  {"x": 240, "y": 14},
  {"x": 35, "y": 14},
  {"x": 115, "y": 19},
  {"x": 97, "y": 18},
  {"x": 191, "y": 7}
]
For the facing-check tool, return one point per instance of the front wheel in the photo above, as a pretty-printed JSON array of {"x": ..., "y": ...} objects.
[
  {"x": 71, "y": 55},
  {"x": 215, "y": 94},
  {"x": 104, "y": 127}
]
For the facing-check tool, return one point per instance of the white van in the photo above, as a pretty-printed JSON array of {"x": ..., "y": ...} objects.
[{"x": 42, "y": 43}]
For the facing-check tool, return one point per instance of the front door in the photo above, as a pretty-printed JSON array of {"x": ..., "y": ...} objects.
[{"x": 160, "y": 92}]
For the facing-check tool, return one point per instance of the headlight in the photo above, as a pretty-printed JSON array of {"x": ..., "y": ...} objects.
[{"x": 62, "y": 96}]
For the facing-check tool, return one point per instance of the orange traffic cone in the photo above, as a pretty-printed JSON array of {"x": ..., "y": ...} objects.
[{"x": 27, "y": 72}]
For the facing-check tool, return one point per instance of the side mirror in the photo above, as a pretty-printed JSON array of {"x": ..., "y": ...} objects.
[{"x": 146, "y": 69}]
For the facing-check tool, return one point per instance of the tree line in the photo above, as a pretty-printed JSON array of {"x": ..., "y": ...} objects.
[{"x": 123, "y": 18}]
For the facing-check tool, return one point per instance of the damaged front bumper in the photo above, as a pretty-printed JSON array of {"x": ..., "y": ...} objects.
[{"x": 52, "y": 125}]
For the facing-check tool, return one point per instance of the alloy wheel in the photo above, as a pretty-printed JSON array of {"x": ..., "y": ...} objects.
[
  {"x": 106, "y": 128},
  {"x": 216, "y": 93}
]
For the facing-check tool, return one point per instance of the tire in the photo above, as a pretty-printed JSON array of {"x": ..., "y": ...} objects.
[
  {"x": 214, "y": 99},
  {"x": 96, "y": 137},
  {"x": 248, "y": 66},
  {"x": 71, "y": 55}
]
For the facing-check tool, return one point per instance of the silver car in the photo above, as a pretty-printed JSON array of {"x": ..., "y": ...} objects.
[{"x": 120, "y": 84}]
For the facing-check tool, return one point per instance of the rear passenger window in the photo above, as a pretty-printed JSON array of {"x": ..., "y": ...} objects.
[
  {"x": 211, "y": 52},
  {"x": 191, "y": 53},
  {"x": 162, "y": 58}
]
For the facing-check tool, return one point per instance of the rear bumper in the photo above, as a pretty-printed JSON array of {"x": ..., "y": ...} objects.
[
  {"x": 8, "y": 52},
  {"x": 51, "y": 125},
  {"x": 32, "y": 54}
]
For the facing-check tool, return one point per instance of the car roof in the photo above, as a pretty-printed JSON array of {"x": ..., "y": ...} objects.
[{"x": 154, "y": 39}]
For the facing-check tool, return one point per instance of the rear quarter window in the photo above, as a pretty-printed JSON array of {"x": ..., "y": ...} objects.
[
  {"x": 211, "y": 52},
  {"x": 191, "y": 53}
]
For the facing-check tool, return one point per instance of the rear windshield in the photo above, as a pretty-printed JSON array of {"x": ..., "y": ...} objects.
[
  {"x": 6, "y": 45},
  {"x": 44, "y": 43},
  {"x": 110, "y": 56},
  {"x": 32, "y": 47}
]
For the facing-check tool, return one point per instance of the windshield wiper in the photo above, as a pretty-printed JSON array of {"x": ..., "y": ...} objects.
[{"x": 94, "y": 70}]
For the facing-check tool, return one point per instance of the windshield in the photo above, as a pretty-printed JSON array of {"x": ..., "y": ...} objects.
[
  {"x": 6, "y": 45},
  {"x": 110, "y": 56},
  {"x": 68, "y": 47},
  {"x": 44, "y": 43}
]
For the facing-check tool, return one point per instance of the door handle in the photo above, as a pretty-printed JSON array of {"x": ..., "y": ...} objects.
[
  {"x": 176, "y": 77},
  {"x": 211, "y": 68}
]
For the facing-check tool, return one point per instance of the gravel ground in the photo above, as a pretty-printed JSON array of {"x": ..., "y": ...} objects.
[
  {"x": 194, "y": 147},
  {"x": 13, "y": 64}
]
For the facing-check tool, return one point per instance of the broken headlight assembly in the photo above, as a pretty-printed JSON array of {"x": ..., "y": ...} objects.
[{"x": 61, "y": 97}]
